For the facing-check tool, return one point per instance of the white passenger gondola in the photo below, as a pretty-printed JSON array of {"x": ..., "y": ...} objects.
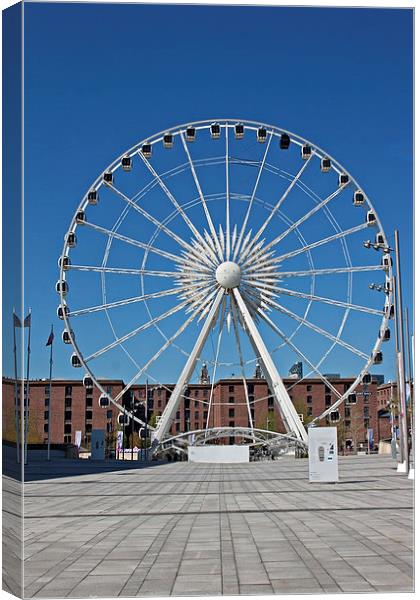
[
  {"x": 385, "y": 335},
  {"x": 75, "y": 361},
  {"x": 87, "y": 382},
  {"x": 306, "y": 151},
  {"x": 168, "y": 140},
  {"x": 190, "y": 134},
  {"x": 80, "y": 217},
  {"x": 239, "y": 131},
  {"x": 67, "y": 337},
  {"x": 284, "y": 141},
  {"x": 261, "y": 134},
  {"x": 71, "y": 239},
  {"x": 93, "y": 197},
  {"x": 62, "y": 310},
  {"x": 343, "y": 179},
  {"x": 380, "y": 239},
  {"x": 65, "y": 262},
  {"x": 126, "y": 163},
  {"x": 215, "y": 131},
  {"x": 325, "y": 164},
  {"x": 108, "y": 177},
  {"x": 377, "y": 359},
  {"x": 62, "y": 287},
  {"x": 358, "y": 198},
  {"x": 103, "y": 401},
  {"x": 370, "y": 218},
  {"x": 146, "y": 150}
]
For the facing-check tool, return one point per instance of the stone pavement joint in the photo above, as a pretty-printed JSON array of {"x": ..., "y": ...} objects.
[{"x": 208, "y": 529}]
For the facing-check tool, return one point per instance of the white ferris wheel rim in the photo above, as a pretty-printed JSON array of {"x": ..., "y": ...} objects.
[{"x": 179, "y": 130}]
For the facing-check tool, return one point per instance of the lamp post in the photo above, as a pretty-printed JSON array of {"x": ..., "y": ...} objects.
[{"x": 404, "y": 466}]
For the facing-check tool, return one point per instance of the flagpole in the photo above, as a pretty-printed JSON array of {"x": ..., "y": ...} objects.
[
  {"x": 16, "y": 391},
  {"x": 50, "y": 392},
  {"x": 26, "y": 407}
]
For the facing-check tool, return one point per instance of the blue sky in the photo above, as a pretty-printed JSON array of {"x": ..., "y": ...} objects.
[{"x": 99, "y": 78}]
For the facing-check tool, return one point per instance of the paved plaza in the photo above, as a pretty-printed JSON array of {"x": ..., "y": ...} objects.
[{"x": 206, "y": 529}]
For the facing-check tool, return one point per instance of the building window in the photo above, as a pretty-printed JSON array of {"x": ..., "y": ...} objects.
[
  {"x": 67, "y": 415},
  {"x": 67, "y": 403},
  {"x": 67, "y": 428},
  {"x": 159, "y": 392},
  {"x": 47, "y": 390},
  {"x": 196, "y": 425},
  {"x": 67, "y": 439},
  {"x": 109, "y": 414},
  {"x": 178, "y": 415},
  {"x": 366, "y": 423},
  {"x": 251, "y": 399},
  {"x": 46, "y": 428},
  {"x": 231, "y": 389},
  {"x": 309, "y": 411},
  {"x": 205, "y": 393},
  {"x": 270, "y": 402},
  {"x": 231, "y": 423},
  {"x": 309, "y": 388},
  {"x": 196, "y": 403},
  {"x": 88, "y": 427},
  {"x": 46, "y": 415},
  {"x": 346, "y": 386},
  {"x": 347, "y": 411},
  {"x": 176, "y": 426},
  {"x": 231, "y": 413},
  {"x": 328, "y": 400},
  {"x": 89, "y": 402},
  {"x": 250, "y": 388},
  {"x": 231, "y": 399},
  {"x": 347, "y": 423},
  {"x": 196, "y": 414},
  {"x": 46, "y": 402},
  {"x": 108, "y": 389},
  {"x": 196, "y": 393},
  {"x": 68, "y": 390},
  {"x": 366, "y": 411},
  {"x": 205, "y": 413},
  {"x": 309, "y": 399},
  {"x": 88, "y": 415}
]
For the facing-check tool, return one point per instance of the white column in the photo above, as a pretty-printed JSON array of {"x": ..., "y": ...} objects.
[{"x": 286, "y": 408}]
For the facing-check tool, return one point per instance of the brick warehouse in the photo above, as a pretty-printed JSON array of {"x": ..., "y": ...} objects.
[{"x": 74, "y": 407}]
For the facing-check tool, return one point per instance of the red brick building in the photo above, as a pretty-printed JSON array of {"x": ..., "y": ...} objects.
[{"x": 76, "y": 408}]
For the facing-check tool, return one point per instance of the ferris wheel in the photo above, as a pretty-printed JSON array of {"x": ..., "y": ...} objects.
[{"x": 228, "y": 243}]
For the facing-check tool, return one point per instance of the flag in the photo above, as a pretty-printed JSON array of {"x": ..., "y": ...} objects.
[
  {"x": 50, "y": 339},
  {"x": 27, "y": 321},
  {"x": 16, "y": 321}
]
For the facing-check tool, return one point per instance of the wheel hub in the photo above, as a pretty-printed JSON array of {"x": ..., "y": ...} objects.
[{"x": 228, "y": 275}]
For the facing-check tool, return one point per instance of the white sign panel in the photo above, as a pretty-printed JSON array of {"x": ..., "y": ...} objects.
[
  {"x": 218, "y": 454},
  {"x": 98, "y": 444},
  {"x": 323, "y": 456}
]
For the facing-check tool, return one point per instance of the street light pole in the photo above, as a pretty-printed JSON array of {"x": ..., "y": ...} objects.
[{"x": 404, "y": 466}]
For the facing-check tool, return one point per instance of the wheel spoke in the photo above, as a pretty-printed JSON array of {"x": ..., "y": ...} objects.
[
  {"x": 305, "y": 217},
  {"x": 332, "y": 271},
  {"x": 203, "y": 201},
  {"x": 235, "y": 319},
  {"x": 288, "y": 292},
  {"x": 172, "y": 198},
  {"x": 168, "y": 343},
  {"x": 121, "y": 271},
  {"x": 251, "y": 202},
  {"x": 136, "y": 331},
  {"x": 296, "y": 349},
  {"x": 227, "y": 194},
  {"x": 92, "y": 309},
  {"x": 213, "y": 378},
  {"x": 279, "y": 203},
  {"x": 133, "y": 242},
  {"x": 326, "y": 240},
  {"x": 317, "y": 329}
]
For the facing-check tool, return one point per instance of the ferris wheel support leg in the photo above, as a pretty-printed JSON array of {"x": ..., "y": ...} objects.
[
  {"x": 169, "y": 412},
  {"x": 287, "y": 410}
]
